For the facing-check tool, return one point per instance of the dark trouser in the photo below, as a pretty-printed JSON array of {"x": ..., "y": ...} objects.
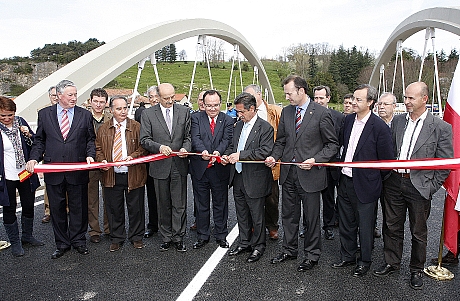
[
  {"x": 328, "y": 196},
  {"x": 271, "y": 207},
  {"x": 26, "y": 196},
  {"x": 152, "y": 202},
  {"x": 172, "y": 205},
  {"x": 402, "y": 196},
  {"x": 95, "y": 177},
  {"x": 69, "y": 230},
  {"x": 115, "y": 198},
  {"x": 292, "y": 195},
  {"x": 354, "y": 215},
  {"x": 218, "y": 186},
  {"x": 250, "y": 215}
]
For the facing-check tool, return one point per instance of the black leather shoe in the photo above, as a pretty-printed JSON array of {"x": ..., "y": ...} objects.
[
  {"x": 384, "y": 271},
  {"x": 180, "y": 247},
  {"x": 239, "y": 250},
  {"x": 360, "y": 270},
  {"x": 328, "y": 234},
  {"x": 165, "y": 246},
  {"x": 83, "y": 250},
  {"x": 149, "y": 232},
  {"x": 447, "y": 260},
  {"x": 416, "y": 280},
  {"x": 200, "y": 243},
  {"x": 302, "y": 233},
  {"x": 282, "y": 257},
  {"x": 59, "y": 252},
  {"x": 342, "y": 264},
  {"x": 222, "y": 243},
  {"x": 255, "y": 255},
  {"x": 306, "y": 265}
]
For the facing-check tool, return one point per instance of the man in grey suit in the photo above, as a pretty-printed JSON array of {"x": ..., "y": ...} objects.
[
  {"x": 165, "y": 128},
  {"x": 252, "y": 140},
  {"x": 416, "y": 135},
  {"x": 305, "y": 135}
]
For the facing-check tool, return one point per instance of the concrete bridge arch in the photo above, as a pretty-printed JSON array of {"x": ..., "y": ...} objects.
[
  {"x": 446, "y": 18},
  {"x": 100, "y": 66}
]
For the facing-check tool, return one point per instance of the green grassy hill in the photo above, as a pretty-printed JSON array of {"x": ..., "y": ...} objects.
[{"x": 179, "y": 74}]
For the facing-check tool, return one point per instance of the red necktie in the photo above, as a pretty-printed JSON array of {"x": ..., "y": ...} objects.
[
  {"x": 213, "y": 125},
  {"x": 65, "y": 125}
]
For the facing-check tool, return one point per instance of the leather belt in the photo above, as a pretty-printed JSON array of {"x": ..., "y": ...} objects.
[{"x": 404, "y": 175}]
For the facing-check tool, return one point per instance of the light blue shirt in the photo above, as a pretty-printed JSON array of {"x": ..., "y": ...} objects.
[
  {"x": 70, "y": 113},
  {"x": 304, "y": 108}
]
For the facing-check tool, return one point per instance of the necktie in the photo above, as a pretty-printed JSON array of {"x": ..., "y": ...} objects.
[
  {"x": 241, "y": 143},
  {"x": 298, "y": 119},
  {"x": 213, "y": 126},
  {"x": 117, "y": 153},
  {"x": 168, "y": 121},
  {"x": 65, "y": 125}
]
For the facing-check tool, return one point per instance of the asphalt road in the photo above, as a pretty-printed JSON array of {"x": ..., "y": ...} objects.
[{"x": 149, "y": 274}]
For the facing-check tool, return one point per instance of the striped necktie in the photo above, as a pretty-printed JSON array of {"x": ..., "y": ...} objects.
[
  {"x": 298, "y": 119},
  {"x": 117, "y": 153},
  {"x": 65, "y": 125}
]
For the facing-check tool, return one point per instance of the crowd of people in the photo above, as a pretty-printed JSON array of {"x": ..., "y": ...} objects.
[{"x": 212, "y": 147}]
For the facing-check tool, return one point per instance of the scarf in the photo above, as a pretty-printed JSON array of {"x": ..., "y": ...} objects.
[{"x": 13, "y": 135}]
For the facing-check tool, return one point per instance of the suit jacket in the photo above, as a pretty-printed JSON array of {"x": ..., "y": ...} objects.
[
  {"x": 202, "y": 139},
  {"x": 316, "y": 139},
  {"x": 434, "y": 141},
  {"x": 374, "y": 144},
  {"x": 49, "y": 144},
  {"x": 154, "y": 133},
  {"x": 338, "y": 119},
  {"x": 34, "y": 182},
  {"x": 257, "y": 178},
  {"x": 137, "y": 174}
]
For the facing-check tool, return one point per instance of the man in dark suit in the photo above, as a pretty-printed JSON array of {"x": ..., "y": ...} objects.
[
  {"x": 416, "y": 135},
  {"x": 212, "y": 132},
  {"x": 166, "y": 128},
  {"x": 252, "y": 140},
  {"x": 65, "y": 134},
  {"x": 305, "y": 135},
  {"x": 322, "y": 96},
  {"x": 365, "y": 137}
]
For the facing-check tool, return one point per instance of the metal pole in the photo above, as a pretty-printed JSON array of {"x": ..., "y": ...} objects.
[
  {"x": 436, "y": 73},
  {"x": 231, "y": 72},
  {"x": 427, "y": 36},
  {"x": 200, "y": 39},
  {"x": 153, "y": 60},
  {"x": 140, "y": 67}
]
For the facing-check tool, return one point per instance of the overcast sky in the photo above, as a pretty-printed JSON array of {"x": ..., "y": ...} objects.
[{"x": 268, "y": 25}]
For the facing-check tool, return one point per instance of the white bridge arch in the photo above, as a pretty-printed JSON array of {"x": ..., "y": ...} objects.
[
  {"x": 100, "y": 66},
  {"x": 446, "y": 18}
]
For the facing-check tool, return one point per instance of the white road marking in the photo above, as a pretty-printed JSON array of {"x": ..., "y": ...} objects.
[{"x": 203, "y": 274}]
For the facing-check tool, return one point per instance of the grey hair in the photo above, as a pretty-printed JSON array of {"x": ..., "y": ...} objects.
[
  {"x": 153, "y": 88},
  {"x": 50, "y": 89},
  {"x": 60, "y": 87},
  {"x": 256, "y": 88},
  {"x": 389, "y": 94}
]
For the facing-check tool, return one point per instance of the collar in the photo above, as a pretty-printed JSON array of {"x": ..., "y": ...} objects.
[{"x": 421, "y": 117}]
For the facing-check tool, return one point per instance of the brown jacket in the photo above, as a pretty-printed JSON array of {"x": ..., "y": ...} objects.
[
  {"x": 137, "y": 174},
  {"x": 273, "y": 117}
]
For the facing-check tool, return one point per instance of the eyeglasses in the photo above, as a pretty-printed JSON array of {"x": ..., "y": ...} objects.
[
  {"x": 172, "y": 97},
  {"x": 212, "y": 106},
  {"x": 384, "y": 104}
]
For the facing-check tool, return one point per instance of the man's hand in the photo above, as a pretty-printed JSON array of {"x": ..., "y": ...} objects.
[
  {"x": 213, "y": 159},
  {"x": 165, "y": 150},
  {"x": 89, "y": 160},
  {"x": 233, "y": 158},
  {"x": 182, "y": 150},
  {"x": 30, "y": 165},
  {"x": 104, "y": 168},
  {"x": 270, "y": 162},
  {"x": 307, "y": 164},
  {"x": 205, "y": 155},
  {"x": 224, "y": 160}
]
